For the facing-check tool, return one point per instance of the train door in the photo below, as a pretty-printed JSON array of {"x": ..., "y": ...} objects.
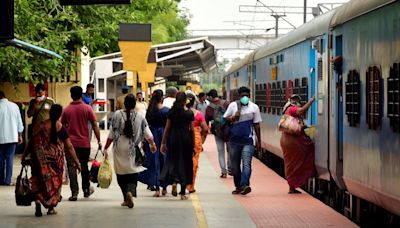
[
  {"x": 336, "y": 110},
  {"x": 312, "y": 92}
]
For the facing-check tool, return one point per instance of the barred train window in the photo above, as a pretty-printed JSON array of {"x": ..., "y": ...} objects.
[
  {"x": 269, "y": 97},
  {"x": 261, "y": 97},
  {"x": 393, "y": 97},
  {"x": 353, "y": 98},
  {"x": 289, "y": 90},
  {"x": 279, "y": 98},
  {"x": 374, "y": 97},
  {"x": 274, "y": 98},
  {"x": 301, "y": 88}
]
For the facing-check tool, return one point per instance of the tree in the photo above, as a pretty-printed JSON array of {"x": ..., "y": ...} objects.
[
  {"x": 213, "y": 79},
  {"x": 66, "y": 29}
]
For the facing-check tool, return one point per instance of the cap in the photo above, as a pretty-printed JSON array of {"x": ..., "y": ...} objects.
[{"x": 125, "y": 87}]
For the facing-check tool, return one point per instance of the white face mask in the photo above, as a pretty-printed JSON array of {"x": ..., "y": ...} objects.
[{"x": 41, "y": 98}]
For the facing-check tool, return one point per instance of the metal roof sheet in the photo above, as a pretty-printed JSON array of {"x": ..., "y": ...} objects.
[{"x": 356, "y": 8}]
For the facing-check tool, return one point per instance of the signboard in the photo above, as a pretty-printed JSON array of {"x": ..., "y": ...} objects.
[
  {"x": 274, "y": 73},
  {"x": 6, "y": 19},
  {"x": 93, "y": 2}
]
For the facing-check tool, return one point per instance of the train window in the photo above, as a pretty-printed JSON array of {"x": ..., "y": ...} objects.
[
  {"x": 393, "y": 97},
  {"x": 273, "y": 98},
  {"x": 353, "y": 98},
  {"x": 271, "y": 61},
  {"x": 282, "y": 58},
  {"x": 374, "y": 97},
  {"x": 278, "y": 98},
  {"x": 289, "y": 90},
  {"x": 268, "y": 101},
  {"x": 261, "y": 97}
]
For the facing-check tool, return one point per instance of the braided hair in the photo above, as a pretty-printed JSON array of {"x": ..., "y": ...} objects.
[
  {"x": 55, "y": 114},
  {"x": 130, "y": 103}
]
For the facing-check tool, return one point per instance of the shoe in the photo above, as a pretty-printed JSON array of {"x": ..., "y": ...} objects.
[
  {"x": 193, "y": 191},
  {"x": 51, "y": 212},
  {"x": 164, "y": 192},
  {"x": 246, "y": 190},
  {"x": 124, "y": 204},
  {"x": 73, "y": 198},
  {"x": 223, "y": 176},
  {"x": 174, "y": 190},
  {"x": 38, "y": 210},
  {"x": 236, "y": 191},
  {"x": 129, "y": 200},
  {"x": 88, "y": 192}
]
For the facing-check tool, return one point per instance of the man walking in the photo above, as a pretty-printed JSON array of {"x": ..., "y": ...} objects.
[
  {"x": 39, "y": 107},
  {"x": 203, "y": 103},
  {"x": 170, "y": 94},
  {"x": 87, "y": 97},
  {"x": 10, "y": 134},
  {"x": 75, "y": 118},
  {"x": 245, "y": 118},
  {"x": 121, "y": 99},
  {"x": 214, "y": 113}
]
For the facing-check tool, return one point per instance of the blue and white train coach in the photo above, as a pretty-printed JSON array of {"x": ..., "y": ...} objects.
[{"x": 349, "y": 58}]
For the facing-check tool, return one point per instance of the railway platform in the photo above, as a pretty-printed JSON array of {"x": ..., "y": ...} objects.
[{"x": 213, "y": 205}]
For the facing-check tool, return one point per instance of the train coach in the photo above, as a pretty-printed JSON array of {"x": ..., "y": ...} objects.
[{"x": 349, "y": 58}]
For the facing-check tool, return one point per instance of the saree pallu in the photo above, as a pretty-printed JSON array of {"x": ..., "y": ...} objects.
[
  {"x": 47, "y": 167},
  {"x": 197, "y": 149},
  {"x": 299, "y": 157}
]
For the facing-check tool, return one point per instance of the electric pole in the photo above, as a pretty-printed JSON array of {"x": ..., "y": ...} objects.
[{"x": 305, "y": 11}]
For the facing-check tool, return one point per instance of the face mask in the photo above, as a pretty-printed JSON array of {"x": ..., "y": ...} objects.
[
  {"x": 244, "y": 100},
  {"x": 41, "y": 98}
]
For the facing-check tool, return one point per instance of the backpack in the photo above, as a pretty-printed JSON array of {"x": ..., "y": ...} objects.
[{"x": 219, "y": 127}]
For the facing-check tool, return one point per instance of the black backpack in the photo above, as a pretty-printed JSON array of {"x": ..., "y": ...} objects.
[{"x": 219, "y": 127}]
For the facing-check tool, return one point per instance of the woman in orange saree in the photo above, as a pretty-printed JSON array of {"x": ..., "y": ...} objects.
[
  {"x": 46, "y": 149},
  {"x": 200, "y": 134},
  {"x": 298, "y": 150}
]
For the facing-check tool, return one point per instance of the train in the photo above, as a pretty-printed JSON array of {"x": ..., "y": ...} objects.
[{"x": 349, "y": 59}]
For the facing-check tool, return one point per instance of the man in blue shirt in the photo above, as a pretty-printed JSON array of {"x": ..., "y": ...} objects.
[
  {"x": 87, "y": 97},
  {"x": 245, "y": 119},
  {"x": 10, "y": 134}
]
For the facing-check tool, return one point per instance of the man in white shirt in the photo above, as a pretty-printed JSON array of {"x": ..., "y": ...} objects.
[
  {"x": 141, "y": 106},
  {"x": 10, "y": 134},
  {"x": 170, "y": 94},
  {"x": 245, "y": 118}
]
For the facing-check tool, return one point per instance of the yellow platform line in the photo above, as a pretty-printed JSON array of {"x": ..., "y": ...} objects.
[{"x": 201, "y": 218}]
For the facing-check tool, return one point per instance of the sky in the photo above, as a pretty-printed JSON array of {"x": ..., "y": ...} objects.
[{"x": 219, "y": 14}]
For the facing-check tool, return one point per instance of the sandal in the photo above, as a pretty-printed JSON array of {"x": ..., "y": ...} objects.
[
  {"x": 51, "y": 212},
  {"x": 156, "y": 194},
  {"x": 174, "y": 190},
  {"x": 192, "y": 191},
  {"x": 164, "y": 192},
  {"x": 129, "y": 199},
  {"x": 124, "y": 204},
  {"x": 294, "y": 191},
  {"x": 184, "y": 197}
]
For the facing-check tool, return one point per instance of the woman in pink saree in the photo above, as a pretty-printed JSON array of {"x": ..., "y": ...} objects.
[{"x": 298, "y": 150}]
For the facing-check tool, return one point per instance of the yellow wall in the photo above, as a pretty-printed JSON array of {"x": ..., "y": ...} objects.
[{"x": 59, "y": 91}]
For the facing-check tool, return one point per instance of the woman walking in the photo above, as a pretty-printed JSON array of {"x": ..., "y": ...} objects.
[
  {"x": 177, "y": 142},
  {"x": 47, "y": 154},
  {"x": 298, "y": 150},
  {"x": 156, "y": 117},
  {"x": 200, "y": 134},
  {"x": 128, "y": 129}
]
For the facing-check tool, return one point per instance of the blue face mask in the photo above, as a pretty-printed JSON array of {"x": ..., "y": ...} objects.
[{"x": 244, "y": 100}]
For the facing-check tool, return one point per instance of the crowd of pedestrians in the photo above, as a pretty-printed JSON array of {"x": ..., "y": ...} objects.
[{"x": 169, "y": 132}]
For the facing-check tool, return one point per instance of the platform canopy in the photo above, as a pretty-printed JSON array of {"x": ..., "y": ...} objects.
[{"x": 184, "y": 57}]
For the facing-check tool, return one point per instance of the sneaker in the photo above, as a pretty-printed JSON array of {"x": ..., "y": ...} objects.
[
  {"x": 236, "y": 191},
  {"x": 246, "y": 190},
  {"x": 88, "y": 192}
]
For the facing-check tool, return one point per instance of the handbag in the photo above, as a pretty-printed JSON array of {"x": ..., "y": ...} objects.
[
  {"x": 23, "y": 190},
  {"x": 140, "y": 157},
  {"x": 290, "y": 125},
  {"x": 94, "y": 169},
  {"x": 105, "y": 174}
]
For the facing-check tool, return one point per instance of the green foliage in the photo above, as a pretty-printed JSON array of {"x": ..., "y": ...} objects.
[
  {"x": 213, "y": 79},
  {"x": 66, "y": 29}
]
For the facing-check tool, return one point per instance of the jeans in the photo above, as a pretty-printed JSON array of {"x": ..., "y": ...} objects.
[
  {"x": 221, "y": 154},
  {"x": 7, "y": 151},
  {"x": 244, "y": 154},
  {"x": 83, "y": 156},
  {"x": 127, "y": 183}
]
